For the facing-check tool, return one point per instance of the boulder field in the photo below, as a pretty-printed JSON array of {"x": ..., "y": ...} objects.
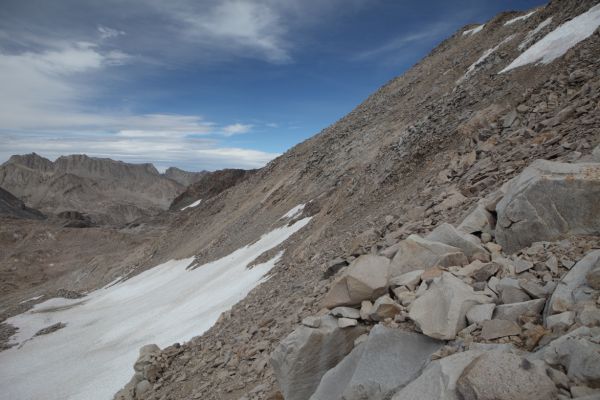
[{"x": 452, "y": 316}]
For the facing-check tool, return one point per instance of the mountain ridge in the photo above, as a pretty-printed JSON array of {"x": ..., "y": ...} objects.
[{"x": 108, "y": 191}]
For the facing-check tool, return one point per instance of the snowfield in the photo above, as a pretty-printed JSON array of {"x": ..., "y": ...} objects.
[
  {"x": 92, "y": 357},
  {"x": 194, "y": 204},
  {"x": 560, "y": 40}
]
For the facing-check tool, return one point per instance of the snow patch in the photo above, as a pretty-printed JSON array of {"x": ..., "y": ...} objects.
[
  {"x": 474, "y": 30},
  {"x": 92, "y": 357},
  {"x": 559, "y": 41},
  {"x": 294, "y": 212},
  {"x": 32, "y": 299},
  {"x": 521, "y": 18},
  {"x": 194, "y": 204},
  {"x": 114, "y": 282},
  {"x": 482, "y": 59},
  {"x": 531, "y": 35}
]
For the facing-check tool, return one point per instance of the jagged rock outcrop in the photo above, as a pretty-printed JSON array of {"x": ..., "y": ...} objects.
[{"x": 539, "y": 204}]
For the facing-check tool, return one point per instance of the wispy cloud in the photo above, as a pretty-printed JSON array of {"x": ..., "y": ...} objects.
[
  {"x": 396, "y": 44},
  {"x": 236, "y": 129},
  {"x": 237, "y": 26},
  {"x": 109, "y": 33}
]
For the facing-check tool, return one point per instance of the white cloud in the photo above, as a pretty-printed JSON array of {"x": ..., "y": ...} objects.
[
  {"x": 236, "y": 129},
  {"x": 41, "y": 96},
  {"x": 109, "y": 33},
  {"x": 163, "y": 149},
  {"x": 241, "y": 27}
]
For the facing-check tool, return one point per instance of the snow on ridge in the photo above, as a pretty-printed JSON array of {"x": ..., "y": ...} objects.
[
  {"x": 474, "y": 30},
  {"x": 560, "y": 40},
  {"x": 520, "y": 18},
  {"x": 294, "y": 212},
  {"x": 92, "y": 356},
  {"x": 194, "y": 204},
  {"x": 481, "y": 59},
  {"x": 534, "y": 32}
]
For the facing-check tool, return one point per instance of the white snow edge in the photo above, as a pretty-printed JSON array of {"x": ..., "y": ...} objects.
[
  {"x": 474, "y": 30},
  {"x": 194, "y": 204},
  {"x": 294, "y": 212},
  {"x": 520, "y": 18}
]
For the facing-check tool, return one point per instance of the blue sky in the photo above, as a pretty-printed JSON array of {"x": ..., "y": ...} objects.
[{"x": 204, "y": 84}]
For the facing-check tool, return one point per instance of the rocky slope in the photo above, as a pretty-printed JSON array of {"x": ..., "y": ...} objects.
[
  {"x": 412, "y": 179},
  {"x": 108, "y": 191},
  {"x": 420, "y": 152},
  {"x": 209, "y": 185},
  {"x": 12, "y": 207}
]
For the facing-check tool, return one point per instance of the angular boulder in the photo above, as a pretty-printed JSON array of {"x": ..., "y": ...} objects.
[
  {"x": 438, "y": 380},
  {"x": 478, "y": 221},
  {"x": 384, "y": 307},
  {"x": 512, "y": 312},
  {"x": 539, "y": 204},
  {"x": 498, "y": 375},
  {"x": 469, "y": 244},
  {"x": 578, "y": 352},
  {"x": 497, "y": 328},
  {"x": 418, "y": 253},
  {"x": 388, "y": 360},
  {"x": 573, "y": 288},
  {"x": 480, "y": 313},
  {"x": 365, "y": 279},
  {"x": 441, "y": 312},
  {"x": 304, "y": 356}
]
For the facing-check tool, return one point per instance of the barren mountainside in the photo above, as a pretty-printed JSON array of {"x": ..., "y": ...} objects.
[
  {"x": 185, "y": 178},
  {"x": 450, "y": 187}
]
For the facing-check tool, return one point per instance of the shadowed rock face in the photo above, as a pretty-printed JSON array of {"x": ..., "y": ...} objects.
[
  {"x": 185, "y": 178},
  {"x": 209, "y": 185},
  {"x": 109, "y": 191},
  {"x": 12, "y": 207}
]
